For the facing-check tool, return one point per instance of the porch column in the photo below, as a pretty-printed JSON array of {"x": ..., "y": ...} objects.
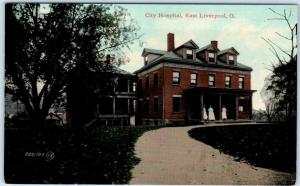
[
  {"x": 236, "y": 107},
  {"x": 128, "y": 106},
  {"x": 250, "y": 106},
  {"x": 114, "y": 106},
  {"x": 220, "y": 107},
  {"x": 201, "y": 106}
]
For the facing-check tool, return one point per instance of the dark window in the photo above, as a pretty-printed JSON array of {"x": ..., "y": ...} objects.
[
  {"x": 155, "y": 80},
  {"x": 155, "y": 105},
  {"x": 106, "y": 106},
  {"x": 147, "y": 82},
  {"x": 193, "y": 79},
  {"x": 241, "y": 82},
  {"x": 176, "y": 78},
  {"x": 231, "y": 60},
  {"x": 189, "y": 54},
  {"x": 132, "y": 106},
  {"x": 140, "y": 84},
  {"x": 176, "y": 104},
  {"x": 228, "y": 81},
  {"x": 147, "y": 106},
  {"x": 121, "y": 106},
  {"x": 122, "y": 85},
  {"x": 211, "y": 57},
  {"x": 211, "y": 80}
]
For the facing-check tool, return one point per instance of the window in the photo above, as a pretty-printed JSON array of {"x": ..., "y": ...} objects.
[
  {"x": 147, "y": 82},
  {"x": 155, "y": 104},
  {"x": 121, "y": 106},
  {"x": 228, "y": 81},
  {"x": 211, "y": 80},
  {"x": 241, "y": 82},
  {"x": 189, "y": 54},
  {"x": 176, "y": 78},
  {"x": 241, "y": 108},
  {"x": 122, "y": 84},
  {"x": 146, "y": 60},
  {"x": 211, "y": 57},
  {"x": 106, "y": 105},
  {"x": 231, "y": 60},
  {"x": 155, "y": 79},
  {"x": 193, "y": 79},
  {"x": 133, "y": 87},
  {"x": 147, "y": 106},
  {"x": 176, "y": 104}
]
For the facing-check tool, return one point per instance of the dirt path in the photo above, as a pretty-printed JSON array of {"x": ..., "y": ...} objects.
[{"x": 170, "y": 156}]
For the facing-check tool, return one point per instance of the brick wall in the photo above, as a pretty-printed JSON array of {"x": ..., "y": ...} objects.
[{"x": 166, "y": 89}]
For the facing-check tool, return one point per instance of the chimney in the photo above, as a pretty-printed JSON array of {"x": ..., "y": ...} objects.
[
  {"x": 214, "y": 44},
  {"x": 171, "y": 45}
]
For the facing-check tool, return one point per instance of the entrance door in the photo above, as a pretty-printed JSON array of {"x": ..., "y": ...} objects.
[{"x": 228, "y": 101}]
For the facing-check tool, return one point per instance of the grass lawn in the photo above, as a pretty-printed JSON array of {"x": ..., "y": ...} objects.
[
  {"x": 102, "y": 155},
  {"x": 268, "y": 146}
]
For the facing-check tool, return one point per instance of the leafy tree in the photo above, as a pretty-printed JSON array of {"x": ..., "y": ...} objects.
[
  {"x": 282, "y": 83},
  {"x": 46, "y": 43}
]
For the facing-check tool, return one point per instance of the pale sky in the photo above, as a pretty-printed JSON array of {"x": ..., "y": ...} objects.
[{"x": 243, "y": 32}]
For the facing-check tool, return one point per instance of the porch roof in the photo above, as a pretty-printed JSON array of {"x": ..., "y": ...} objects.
[{"x": 218, "y": 91}]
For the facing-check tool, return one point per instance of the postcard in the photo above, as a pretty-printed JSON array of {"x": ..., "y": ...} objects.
[{"x": 150, "y": 94}]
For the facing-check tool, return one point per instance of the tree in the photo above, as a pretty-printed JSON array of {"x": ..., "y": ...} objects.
[
  {"x": 45, "y": 43},
  {"x": 282, "y": 82}
]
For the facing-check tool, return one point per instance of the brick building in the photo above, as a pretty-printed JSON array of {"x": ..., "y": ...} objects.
[{"x": 175, "y": 85}]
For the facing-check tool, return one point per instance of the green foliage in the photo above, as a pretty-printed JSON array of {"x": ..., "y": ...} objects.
[
  {"x": 45, "y": 43},
  {"x": 98, "y": 155}
]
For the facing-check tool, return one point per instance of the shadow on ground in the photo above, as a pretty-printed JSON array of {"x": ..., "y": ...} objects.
[
  {"x": 268, "y": 146},
  {"x": 98, "y": 155}
]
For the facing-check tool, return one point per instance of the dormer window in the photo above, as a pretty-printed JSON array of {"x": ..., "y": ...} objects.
[
  {"x": 211, "y": 57},
  {"x": 145, "y": 60},
  {"x": 231, "y": 60},
  {"x": 189, "y": 54}
]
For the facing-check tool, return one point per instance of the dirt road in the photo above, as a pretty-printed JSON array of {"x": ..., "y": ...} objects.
[{"x": 170, "y": 156}]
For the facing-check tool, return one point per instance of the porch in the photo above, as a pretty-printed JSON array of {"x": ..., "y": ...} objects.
[{"x": 238, "y": 103}]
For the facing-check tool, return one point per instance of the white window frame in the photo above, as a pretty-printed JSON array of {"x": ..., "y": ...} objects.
[
  {"x": 211, "y": 55},
  {"x": 230, "y": 82},
  {"x": 178, "y": 78},
  {"x": 211, "y": 75},
  {"x": 243, "y": 85},
  {"x": 195, "y": 79},
  {"x": 189, "y": 52}
]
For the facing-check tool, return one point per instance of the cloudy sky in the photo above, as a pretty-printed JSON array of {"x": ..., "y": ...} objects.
[{"x": 242, "y": 29}]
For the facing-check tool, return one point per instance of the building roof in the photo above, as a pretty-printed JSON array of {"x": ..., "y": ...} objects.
[
  {"x": 153, "y": 51},
  {"x": 179, "y": 60},
  {"x": 172, "y": 57},
  {"x": 117, "y": 70},
  {"x": 207, "y": 47},
  {"x": 228, "y": 50},
  {"x": 190, "y": 44}
]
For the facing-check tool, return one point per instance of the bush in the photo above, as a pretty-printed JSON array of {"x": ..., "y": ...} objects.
[{"x": 98, "y": 155}]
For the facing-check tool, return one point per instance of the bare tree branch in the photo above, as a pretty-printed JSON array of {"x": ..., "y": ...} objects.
[{"x": 283, "y": 36}]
